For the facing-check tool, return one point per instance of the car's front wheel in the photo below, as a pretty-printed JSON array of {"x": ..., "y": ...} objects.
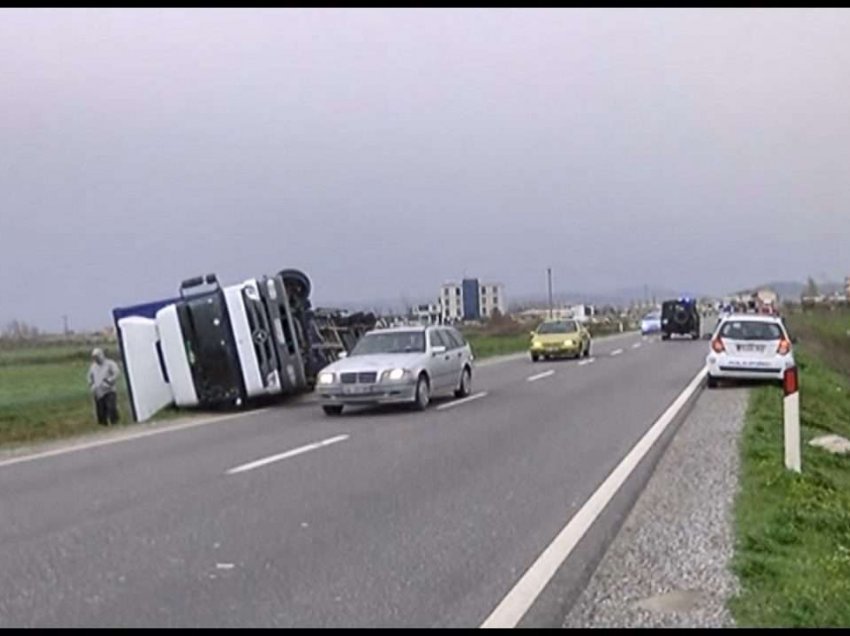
[
  {"x": 465, "y": 387},
  {"x": 712, "y": 382},
  {"x": 331, "y": 409},
  {"x": 423, "y": 393},
  {"x": 534, "y": 357}
]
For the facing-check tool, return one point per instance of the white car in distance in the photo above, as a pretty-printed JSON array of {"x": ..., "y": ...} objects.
[{"x": 749, "y": 347}]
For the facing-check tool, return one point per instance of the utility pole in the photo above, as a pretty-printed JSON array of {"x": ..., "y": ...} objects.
[
  {"x": 65, "y": 324},
  {"x": 549, "y": 273}
]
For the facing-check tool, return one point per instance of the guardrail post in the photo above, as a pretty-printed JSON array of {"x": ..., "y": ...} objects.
[{"x": 791, "y": 411}]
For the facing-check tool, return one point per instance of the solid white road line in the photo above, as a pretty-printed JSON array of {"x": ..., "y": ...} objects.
[
  {"x": 449, "y": 405},
  {"x": 588, "y": 361},
  {"x": 513, "y": 607},
  {"x": 286, "y": 455},
  {"x": 616, "y": 352},
  {"x": 127, "y": 438},
  {"x": 636, "y": 345},
  {"x": 545, "y": 374}
]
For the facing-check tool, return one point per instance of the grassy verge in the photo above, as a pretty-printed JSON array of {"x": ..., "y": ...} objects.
[
  {"x": 44, "y": 394},
  {"x": 486, "y": 346},
  {"x": 792, "y": 552}
]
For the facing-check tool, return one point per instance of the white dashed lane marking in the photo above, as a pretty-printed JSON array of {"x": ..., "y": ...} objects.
[
  {"x": 291, "y": 453},
  {"x": 616, "y": 352},
  {"x": 539, "y": 376},
  {"x": 449, "y": 405}
]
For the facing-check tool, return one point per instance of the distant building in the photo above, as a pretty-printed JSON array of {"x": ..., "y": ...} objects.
[
  {"x": 427, "y": 314},
  {"x": 539, "y": 314},
  {"x": 492, "y": 299},
  {"x": 767, "y": 297},
  {"x": 451, "y": 302},
  {"x": 471, "y": 300},
  {"x": 847, "y": 288},
  {"x": 580, "y": 313}
]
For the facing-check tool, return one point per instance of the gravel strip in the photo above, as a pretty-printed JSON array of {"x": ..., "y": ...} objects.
[{"x": 668, "y": 565}]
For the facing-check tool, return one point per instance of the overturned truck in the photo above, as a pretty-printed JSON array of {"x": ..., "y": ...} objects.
[{"x": 215, "y": 346}]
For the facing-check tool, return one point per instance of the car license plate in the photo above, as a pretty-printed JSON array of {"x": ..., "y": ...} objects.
[
  {"x": 356, "y": 390},
  {"x": 749, "y": 363},
  {"x": 756, "y": 348}
]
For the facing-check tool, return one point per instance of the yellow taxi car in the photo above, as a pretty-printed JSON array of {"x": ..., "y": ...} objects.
[{"x": 560, "y": 338}]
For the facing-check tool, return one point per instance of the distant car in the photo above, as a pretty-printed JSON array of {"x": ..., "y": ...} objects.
[
  {"x": 651, "y": 323},
  {"x": 680, "y": 317},
  {"x": 559, "y": 338},
  {"x": 749, "y": 347},
  {"x": 398, "y": 365}
]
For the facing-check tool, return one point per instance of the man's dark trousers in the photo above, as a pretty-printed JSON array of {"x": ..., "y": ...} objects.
[{"x": 107, "y": 408}]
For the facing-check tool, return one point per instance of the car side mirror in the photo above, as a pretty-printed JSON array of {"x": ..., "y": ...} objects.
[
  {"x": 438, "y": 350},
  {"x": 342, "y": 354},
  {"x": 532, "y": 333}
]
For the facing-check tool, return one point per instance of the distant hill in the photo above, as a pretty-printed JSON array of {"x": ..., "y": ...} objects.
[
  {"x": 794, "y": 289},
  {"x": 618, "y": 297}
]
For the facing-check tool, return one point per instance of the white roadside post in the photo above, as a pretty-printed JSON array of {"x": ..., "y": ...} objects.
[{"x": 791, "y": 408}]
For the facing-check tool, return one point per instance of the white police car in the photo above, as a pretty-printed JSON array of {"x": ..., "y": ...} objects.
[{"x": 749, "y": 347}]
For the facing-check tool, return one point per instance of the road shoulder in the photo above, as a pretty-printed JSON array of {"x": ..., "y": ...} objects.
[{"x": 669, "y": 564}]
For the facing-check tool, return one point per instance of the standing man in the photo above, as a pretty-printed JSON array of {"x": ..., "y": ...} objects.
[{"x": 103, "y": 376}]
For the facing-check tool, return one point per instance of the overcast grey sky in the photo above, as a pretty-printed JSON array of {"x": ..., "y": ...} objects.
[{"x": 386, "y": 151}]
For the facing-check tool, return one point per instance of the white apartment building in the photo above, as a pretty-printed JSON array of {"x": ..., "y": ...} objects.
[
  {"x": 427, "y": 314},
  {"x": 451, "y": 302},
  {"x": 471, "y": 300},
  {"x": 492, "y": 298}
]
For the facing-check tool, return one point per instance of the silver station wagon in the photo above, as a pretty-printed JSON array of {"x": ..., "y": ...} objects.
[{"x": 398, "y": 365}]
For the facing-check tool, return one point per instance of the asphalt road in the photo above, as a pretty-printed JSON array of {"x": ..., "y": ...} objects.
[{"x": 399, "y": 519}]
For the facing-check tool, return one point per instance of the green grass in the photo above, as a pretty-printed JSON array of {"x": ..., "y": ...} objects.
[
  {"x": 792, "y": 552},
  {"x": 44, "y": 394},
  {"x": 486, "y": 346}
]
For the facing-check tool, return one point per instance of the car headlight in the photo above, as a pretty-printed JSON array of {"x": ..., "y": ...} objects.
[
  {"x": 536, "y": 344},
  {"x": 568, "y": 343},
  {"x": 394, "y": 374},
  {"x": 326, "y": 378}
]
